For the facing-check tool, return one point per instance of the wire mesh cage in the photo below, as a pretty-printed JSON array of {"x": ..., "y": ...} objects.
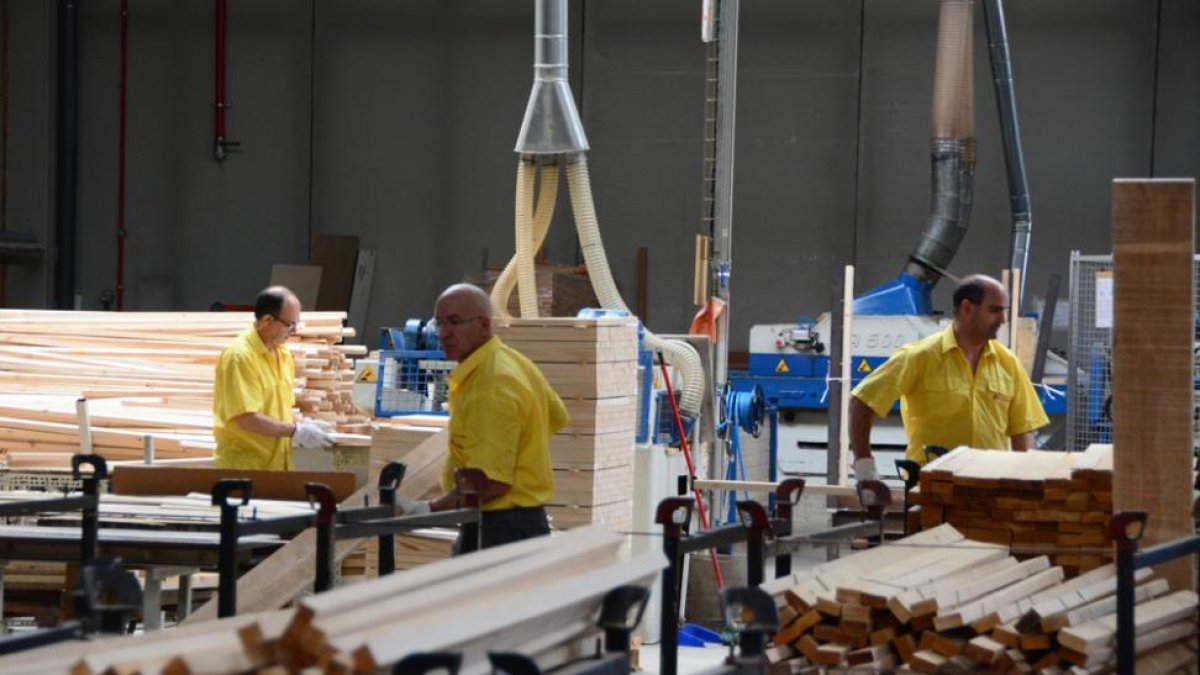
[
  {"x": 411, "y": 382},
  {"x": 1089, "y": 377}
]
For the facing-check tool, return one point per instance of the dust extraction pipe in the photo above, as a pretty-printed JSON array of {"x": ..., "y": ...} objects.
[
  {"x": 552, "y": 130},
  {"x": 952, "y": 144}
]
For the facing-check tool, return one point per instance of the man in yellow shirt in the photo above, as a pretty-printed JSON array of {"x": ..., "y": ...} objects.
[
  {"x": 502, "y": 415},
  {"x": 956, "y": 387},
  {"x": 253, "y": 392}
]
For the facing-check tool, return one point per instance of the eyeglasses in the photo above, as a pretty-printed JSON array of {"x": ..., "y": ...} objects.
[
  {"x": 290, "y": 325},
  {"x": 454, "y": 321}
]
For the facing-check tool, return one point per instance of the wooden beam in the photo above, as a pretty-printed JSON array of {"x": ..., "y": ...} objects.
[
  {"x": 1153, "y": 341},
  {"x": 289, "y": 485}
]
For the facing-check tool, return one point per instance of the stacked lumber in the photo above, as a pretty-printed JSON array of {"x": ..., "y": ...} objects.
[
  {"x": 1056, "y": 503},
  {"x": 938, "y": 602},
  {"x": 539, "y": 597},
  {"x": 592, "y": 364},
  {"x": 146, "y": 374}
]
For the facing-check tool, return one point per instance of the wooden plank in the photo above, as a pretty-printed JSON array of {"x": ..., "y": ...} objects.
[
  {"x": 1147, "y": 617},
  {"x": 592, "y": 451},
  {"x": 288, "y": 485},
  {"x": 1153, "y": 341}
]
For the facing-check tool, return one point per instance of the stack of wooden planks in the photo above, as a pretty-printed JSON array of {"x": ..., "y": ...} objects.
[
  {"x": 592, "y": 364},
  {"x": 937, "y": 602},
  {"x": 145, "y": 374},
  {"x": 1058, "y": 503},
  {"x": 539, "y": 597}
]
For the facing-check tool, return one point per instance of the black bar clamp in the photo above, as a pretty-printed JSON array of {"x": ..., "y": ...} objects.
[
  {"x": 321, "y": 496},
  {"x": 227, "y": 553},
  {"x": 90, "y": 514},
  {"x": 787, "y": 496},
  {"x": 750, "y": 612},
  {"x": 389, "y": 482}
]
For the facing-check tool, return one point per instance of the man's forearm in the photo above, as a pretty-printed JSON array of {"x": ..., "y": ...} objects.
[
  {"x": 860, "y": 428},
  {"x": 1025, "y": 441},
  {"x": 258, "y": 423}
]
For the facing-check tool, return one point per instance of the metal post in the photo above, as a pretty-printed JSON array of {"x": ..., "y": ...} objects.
[
  {"x": 227, "y": 551},
  {"x": 672, "y": 513},
  {"x": 89, "y": 548},
  {"x": 787, "y": 495},
  {"x": 389, "y": 481},
  {"x": 327, "y": 510},
  {"x": 1126, "y": 546},
  {"x": 754, "y": 517}
]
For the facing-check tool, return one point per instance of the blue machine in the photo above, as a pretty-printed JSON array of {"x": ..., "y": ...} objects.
[{"x": 413, "y": 371}]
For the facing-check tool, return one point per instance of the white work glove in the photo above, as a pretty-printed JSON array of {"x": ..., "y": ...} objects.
[
  {"x": 864, "y": 469},
  {"x": 311, "y": 435},
  {"x": 412, "y": 507}
]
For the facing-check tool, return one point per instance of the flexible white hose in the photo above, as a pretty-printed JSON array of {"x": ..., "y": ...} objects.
[
  {"x": 526, "y": 279},
  {"x": 679, "y": 354},
  {"x": 542, "y": 215}
]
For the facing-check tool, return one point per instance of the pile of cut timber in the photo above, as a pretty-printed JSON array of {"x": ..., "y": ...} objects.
[
  {"x": 145, "y": 374},
  {"x": 592, "y": 364},
  {"x": 1057, "y": 503},
  {"x": 938, "y": 602},
  {"x": 539, "y": 597}
]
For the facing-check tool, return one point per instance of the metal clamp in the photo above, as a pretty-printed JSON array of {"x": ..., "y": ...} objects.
[
  {"x": 620, "y": 615},
  {"x": 227, "y": 486},
  {"x": 389, "y": 480},
  {"x": 674, "y": 514},
  {"x": 787, "y": 496},
  {"x": 1120, "y": 525},
  {"x": 321, "y": 496},
  {"x": 752, "y": 611},
  {"x": 99, "y": 467}
]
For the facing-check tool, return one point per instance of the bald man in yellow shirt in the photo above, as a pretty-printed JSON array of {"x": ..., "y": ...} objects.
[
  {"x": 956, "y": 387},
  {"x": 502, "y": 415}
]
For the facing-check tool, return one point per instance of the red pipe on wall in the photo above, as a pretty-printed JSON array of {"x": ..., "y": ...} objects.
[{"x": 121, "y": 155}]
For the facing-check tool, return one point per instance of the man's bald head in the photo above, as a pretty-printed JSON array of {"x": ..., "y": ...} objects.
[
  {"x": 974, "y": 288},
  {"x": 464, "y": 316},
  {"x": 472, "y": 294}
]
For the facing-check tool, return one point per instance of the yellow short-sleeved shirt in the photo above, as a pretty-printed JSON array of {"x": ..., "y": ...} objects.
[
  {"x": 502, "y": 415},
  {"x": 942, "y": 403},
  {"x": 250, "y": 378}
]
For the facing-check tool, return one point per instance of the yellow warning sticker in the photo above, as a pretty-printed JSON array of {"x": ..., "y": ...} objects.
[
  {"x": 366, "y": 375},
  {"x": 782, "y": 367},
  {"x": 863, "y": 366}
]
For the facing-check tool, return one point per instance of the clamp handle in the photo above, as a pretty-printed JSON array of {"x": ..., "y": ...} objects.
[
  {"x": 754, "y": 515},
  {"x": 392, "y": 475},
  {"x": 787, "y": 495},
  {"x": 420, "y": 664},
  {"x": 1121, "y": 523},
  {"x": 909, "y": 472},
  {"x": 873, "y": 494},
  {"x": 932, "y": 452},
  {"x": 751, "y": 608},
  {"x": 227, "y": 486},
  {"x": 99, "y": 466},
  {"x": 674, "y": 513},
  {"x": 321, "y": 496},
  {"x": 471, "y": 484}
]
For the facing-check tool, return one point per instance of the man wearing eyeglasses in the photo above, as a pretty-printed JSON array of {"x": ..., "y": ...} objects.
[
  {"x": 254, "y": 391},
  {"x": 502, "y": 415},
  {"x": 956, "y": 387}
]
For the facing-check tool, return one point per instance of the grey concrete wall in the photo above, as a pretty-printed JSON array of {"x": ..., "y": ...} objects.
[{"x": 394, "y": 120}]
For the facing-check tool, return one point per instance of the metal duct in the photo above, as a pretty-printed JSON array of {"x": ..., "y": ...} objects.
[
  {"x": 952, "y": 144},
  {"x": 1010, "y": 131},
  {"x": 551, "y": 124}
]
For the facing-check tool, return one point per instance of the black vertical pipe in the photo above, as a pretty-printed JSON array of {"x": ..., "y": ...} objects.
[
  {"x": 66, "y": 167},
  {"x": 227, "y": 561}
]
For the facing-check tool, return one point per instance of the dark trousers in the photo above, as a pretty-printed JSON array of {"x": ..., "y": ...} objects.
[{"x": 503, "y": 527}]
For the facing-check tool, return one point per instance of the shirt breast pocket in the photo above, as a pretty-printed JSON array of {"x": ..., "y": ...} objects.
[
  {"x": 945, "y": 396},
  {"x": 999, "y": 390}
]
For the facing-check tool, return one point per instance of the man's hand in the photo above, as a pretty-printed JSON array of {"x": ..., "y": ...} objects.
[
  {"x": 310, "y": 435},
  {"x": 864, "y": 469},
  {"x": 412, "y": 507}
]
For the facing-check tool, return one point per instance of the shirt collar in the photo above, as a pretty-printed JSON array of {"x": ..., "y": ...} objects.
[
  {"x": 469, "y": 364},
  {"x": 256, "y": 342},
  {"x": 949, "y": 341}
]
